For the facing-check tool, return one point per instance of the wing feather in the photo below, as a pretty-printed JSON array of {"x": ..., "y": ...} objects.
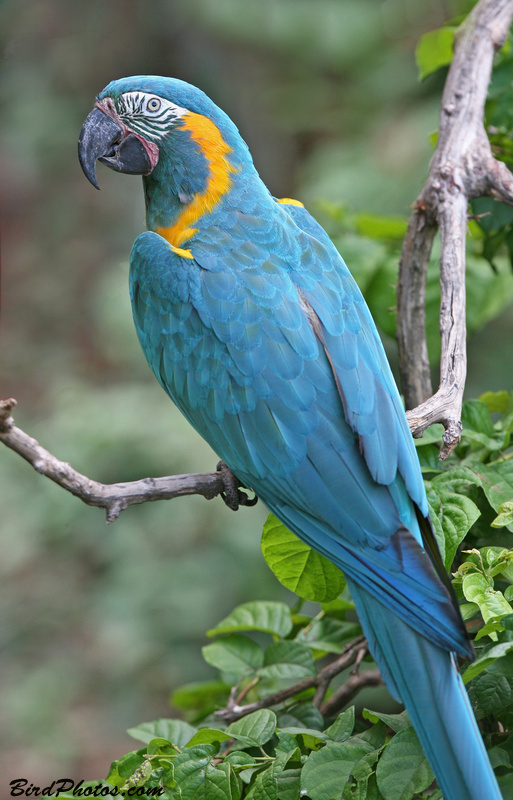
[{"x": 275, "y": 360}]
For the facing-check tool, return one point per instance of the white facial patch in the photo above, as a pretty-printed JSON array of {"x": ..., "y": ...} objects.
[{"x": 148, "y": 114}]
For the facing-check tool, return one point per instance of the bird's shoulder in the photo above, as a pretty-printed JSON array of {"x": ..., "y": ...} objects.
[{"x": 266, "y": 309}]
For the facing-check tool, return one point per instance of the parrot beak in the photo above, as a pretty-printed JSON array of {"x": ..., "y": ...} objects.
[{"x": 101, "y": 138}]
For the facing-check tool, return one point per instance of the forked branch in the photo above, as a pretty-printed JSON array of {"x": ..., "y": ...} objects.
[
  {"x": 351, "y": 654},
  {"x": 462, "y": 168}
]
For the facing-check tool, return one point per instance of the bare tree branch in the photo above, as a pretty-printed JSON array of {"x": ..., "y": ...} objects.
[
  {"x": 462, "y": 168},
  {"x": 354, "y": 684},
  {"x": 351, "y": 653},
  {"x": 411, "y": 306},
  {"x": 114, "y": 497}
]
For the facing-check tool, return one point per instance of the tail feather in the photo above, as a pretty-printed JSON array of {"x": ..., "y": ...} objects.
[{"x": 425, "y": 678}]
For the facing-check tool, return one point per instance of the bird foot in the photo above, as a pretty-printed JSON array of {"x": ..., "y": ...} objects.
[{"x": 232, "y": 495}]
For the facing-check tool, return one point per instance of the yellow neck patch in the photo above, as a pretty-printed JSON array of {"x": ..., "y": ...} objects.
[
  {"x": 290, "y": 202},
  {"x": 214, "y": 148}
]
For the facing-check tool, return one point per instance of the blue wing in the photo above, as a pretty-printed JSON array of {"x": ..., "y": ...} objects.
[{"x": 267, "y": 346}]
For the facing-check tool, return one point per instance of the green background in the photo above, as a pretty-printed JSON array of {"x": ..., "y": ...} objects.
[{"x": 99, "y": 624}]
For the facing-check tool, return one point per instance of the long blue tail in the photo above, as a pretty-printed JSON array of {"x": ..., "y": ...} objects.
[{"x": 426, "y": 680}]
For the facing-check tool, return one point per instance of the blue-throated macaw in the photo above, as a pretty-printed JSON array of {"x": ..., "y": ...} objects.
[{"x": 253, "y": 325}]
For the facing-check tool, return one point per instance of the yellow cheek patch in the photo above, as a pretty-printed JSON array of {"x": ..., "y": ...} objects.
[
  {"x": 208, "y": 137},
  {"x": 289, "y": 202}
]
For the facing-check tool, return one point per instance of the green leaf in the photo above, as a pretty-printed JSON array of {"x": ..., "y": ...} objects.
[
  {"x": 303, "y": 715},
  {"x": 129, "y": 763},
  {"x": 160, "y": 746},
  {"x": 491, "y": 693},
  {"x": 236, "y": 655},
  {"x": 239, "y": 758},
  {"x": 283, "y": 672},
  {"x": 496, "y": 401},
  {"x": 266, "y": 616},
  {"x": 506, "y": 785},
  {"x": 478, "y": 427},
  {"x": 378, "y": 226},
  {"x": 475, "y": 416},
  {"x": 490, "y": 656},
  {"x": 288, "y": 754},
  {"x": 363, "y": 771},
  {"x": 434, "y": 50},
  {"x": 298, "y": 567},
  {"x": 497, "y": 482},
  {"x": 312, "y": 738},
  {"x": 328, "y": 634},
  {"x": 457, "y": 480},
  {"x": 341, "y": 603},
  {"x": 114, "y": 778},
  {"x": 492, "y": 604},
  {"x": 326, "y": 771},
  {"x": 505, "y": 515},
  {"x": 452, "y": 516},
  {"x": 208, "y": 736},
  {"x": 403, "y": 769},
  {"x": 499, "y": 757},
  {"x": 468, "y": 610},
  {"x": 264, "y": 786},
  {"x": 286, "y": 746},
  {"x": 201, "y": 697},
  {"x": 474, "y": 585},
  {"x": 433, "y": 139},
  {"x": 174, "y": 730},
  {"x": 376, "y": 735},
  {"x": 200, "y": 778},
  {"x": 289, "y": 784},
  {"x": 489, "y": 629},
  {"x": 255, "y": 729},
  {"x": 343, "y": 726},
  {"x": 287, "y": 659},
  {"x": 371, "y": 791},
  {"x": 498, "y": 559},
  {"x": 397, "y": 722}
]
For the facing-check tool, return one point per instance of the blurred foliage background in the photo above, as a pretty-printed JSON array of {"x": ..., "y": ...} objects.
[{"x": 100, "y": 624}]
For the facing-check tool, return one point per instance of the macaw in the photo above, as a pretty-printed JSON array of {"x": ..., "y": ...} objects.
[{"x": 252, "y": 323}]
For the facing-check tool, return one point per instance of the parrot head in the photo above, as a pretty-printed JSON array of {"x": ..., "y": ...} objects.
[
  {"x": 136, "y": 119},
  {"x": 187, "y": 149}
]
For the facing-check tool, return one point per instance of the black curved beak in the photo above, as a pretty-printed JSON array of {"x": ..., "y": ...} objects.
[{"x": 101, "y": 138}]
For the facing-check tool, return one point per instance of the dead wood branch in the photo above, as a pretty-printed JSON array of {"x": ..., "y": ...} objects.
[
  {"x": 114, "y": 497},
  {"x": 354, "y": 684},
  {"x": 351, "y": 653},
  {"x": 462, "y": 168}
]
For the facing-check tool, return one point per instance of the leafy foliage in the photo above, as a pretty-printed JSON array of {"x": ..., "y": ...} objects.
[{"x": 275, "y": 733}]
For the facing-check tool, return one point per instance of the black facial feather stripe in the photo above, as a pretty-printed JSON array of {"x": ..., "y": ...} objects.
[{"x": 133, "y": 108}]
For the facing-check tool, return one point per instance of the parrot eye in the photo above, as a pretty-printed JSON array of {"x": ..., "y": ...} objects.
[
  {"x": 153, "y": 104},
  {"x": 147, "y": 114}
]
